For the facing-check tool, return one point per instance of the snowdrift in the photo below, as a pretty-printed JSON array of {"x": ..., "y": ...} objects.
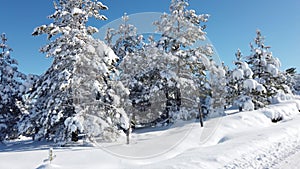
[{"x": 238, "y": 140}]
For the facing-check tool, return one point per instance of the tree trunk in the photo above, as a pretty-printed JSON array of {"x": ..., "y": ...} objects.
[
  {"x": 127, "y": 136},
  {"x": 200, "y": 115},
  {"x": 128, "y": 131}
]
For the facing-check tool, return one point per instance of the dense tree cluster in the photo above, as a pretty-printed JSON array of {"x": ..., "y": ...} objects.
[
  {"x": 257, "y": 79},
  {"x": 98, "y": 89}
]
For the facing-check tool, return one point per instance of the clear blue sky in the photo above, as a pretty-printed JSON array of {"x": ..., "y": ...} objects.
[{"x": 232, "y": 25}]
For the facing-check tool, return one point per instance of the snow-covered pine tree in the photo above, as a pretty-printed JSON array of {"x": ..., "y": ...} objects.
[
  {"x": 244, "y": 89},
  {"x": 126, "y": 43},
  {"x": 171, "y": 67},
  {"x": 265, "y": 68},
  {"x": 288, "y": 78},
  {"x": 293, "y": 80},
  {"x": 142, "y": 75},
  {"x": 297, "y": 83},
  {"x": 163, "y": 73},
  {"x": 200, "y": 69},
  {"x": 229, "y": 87},
  {"x": 180, "y": 30},
  {"x": 124, "y": 40},
  {"x": 75, "y": 95},
  {"x": 218, "y": 92},
  {"x": 11, "y": 92},
  {"x": 167, "y": 75}
]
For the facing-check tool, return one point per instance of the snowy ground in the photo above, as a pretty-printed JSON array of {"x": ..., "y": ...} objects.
[
  {"x": 238, "y": 140},
  {"x": 291, "y": 162}
]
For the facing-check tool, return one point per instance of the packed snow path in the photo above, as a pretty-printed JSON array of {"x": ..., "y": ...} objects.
[{"x": 240, "y": 140}]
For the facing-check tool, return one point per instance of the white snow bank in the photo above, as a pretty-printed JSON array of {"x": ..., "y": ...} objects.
[
  {"x": 243, "y": 140},
  {"x": 281, "y": 96},
  {"x": 285, "y": 110}
]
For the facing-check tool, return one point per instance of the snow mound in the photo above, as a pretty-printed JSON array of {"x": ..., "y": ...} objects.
[
  {"x": 281, "y": 96},
  {"x": 285, "y": 110},
  {"x": 248, "y": 105}
]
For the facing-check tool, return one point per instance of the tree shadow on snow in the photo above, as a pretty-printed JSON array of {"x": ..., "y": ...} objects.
[
  {"x": 178, "y": 124},
  {"x": 24, "y": 145},
  {"x": 29, "y": 145}
]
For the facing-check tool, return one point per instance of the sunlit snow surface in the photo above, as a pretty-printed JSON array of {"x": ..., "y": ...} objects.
[{"x": 241, "y": 140}]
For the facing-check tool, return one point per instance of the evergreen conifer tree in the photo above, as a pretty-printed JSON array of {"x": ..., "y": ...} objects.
[
  {"x": 265, "y": 69},
  {"x": 12, "y": 89},
  {"x": 76, "y": 94},
  {"x": 170, "y": 69}
]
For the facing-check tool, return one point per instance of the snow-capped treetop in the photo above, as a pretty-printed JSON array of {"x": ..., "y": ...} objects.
[
  {"x": 238, "y": 55},
  {"x": 124, "y": 40},
  {"x": 265, "y": 67},
  {"x": 5, "y": 48},
  {"x": 243, "y": 71},
  {"x": 182, "y": 26},
  {"x": 259, "y": 39},
  {"x": 70, "y": 18},
  {"x": 261, "y": 58},
  {"x": 11, "y": 79}
]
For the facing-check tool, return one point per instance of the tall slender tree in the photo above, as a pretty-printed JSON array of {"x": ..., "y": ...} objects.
[
  {"x": 12, "y": 89},
  {"x": 180, "y": 30}
]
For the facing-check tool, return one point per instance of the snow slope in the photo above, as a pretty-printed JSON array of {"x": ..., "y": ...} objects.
[
  {"x": 238, "y": 140},
  {"x": 291, "y": 162}
]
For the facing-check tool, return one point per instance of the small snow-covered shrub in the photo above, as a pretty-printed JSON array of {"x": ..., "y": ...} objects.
[
  {"x": 248, "y": 105},
  {"x": 280, "y": 97},
  {"x": 283, "y": 111}
]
